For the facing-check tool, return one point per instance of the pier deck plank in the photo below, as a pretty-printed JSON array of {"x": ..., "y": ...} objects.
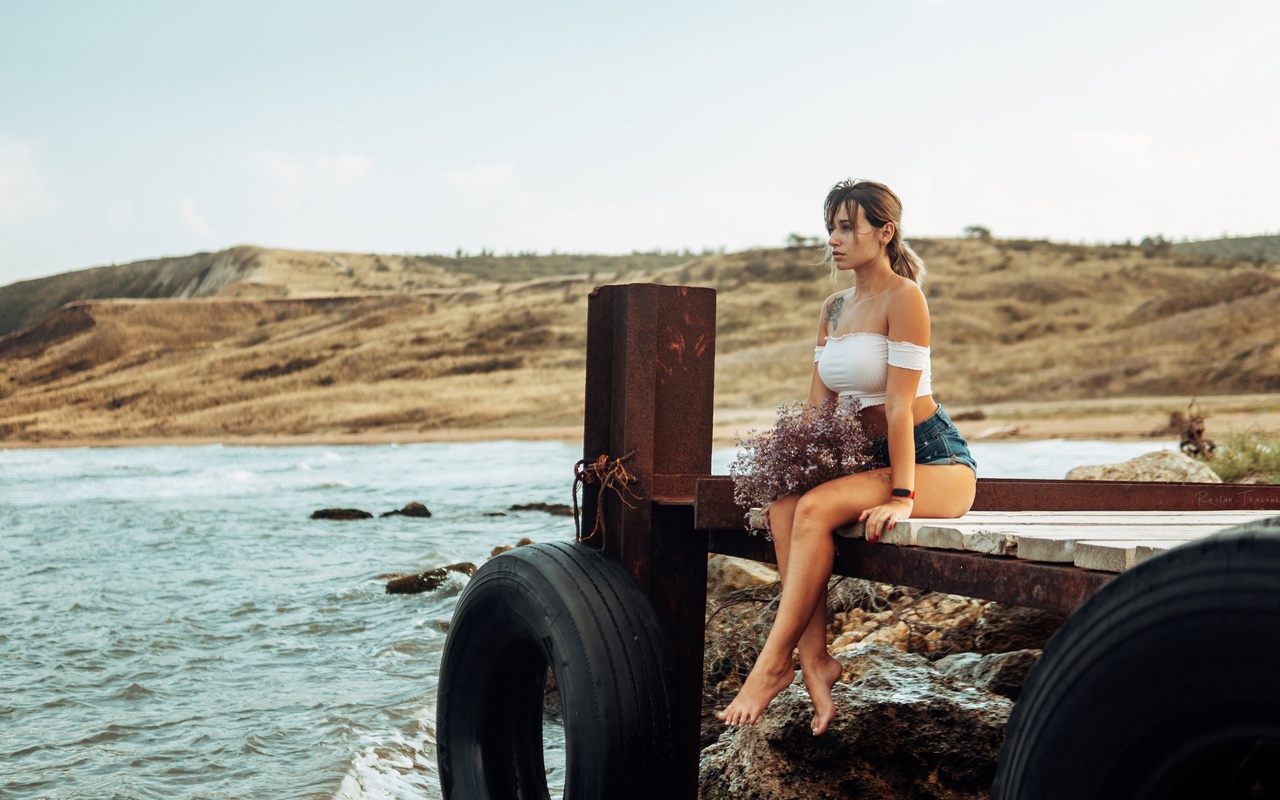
[{"x": 1114, "y": 540}]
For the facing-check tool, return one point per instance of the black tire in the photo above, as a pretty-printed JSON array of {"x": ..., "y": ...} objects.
[
  {"x": 1164, "y": 684},
  {"x": 571, "y": 609}
]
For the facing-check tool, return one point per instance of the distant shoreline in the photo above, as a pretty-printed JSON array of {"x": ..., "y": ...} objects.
[{"x": 1126, "y": 419}]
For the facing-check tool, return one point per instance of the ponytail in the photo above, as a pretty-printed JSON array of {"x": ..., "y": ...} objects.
[{"x": 904, "y": 260}]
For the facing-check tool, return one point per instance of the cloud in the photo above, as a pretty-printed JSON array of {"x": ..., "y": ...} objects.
[
  {"x": 481, "y": 177},
  {"x": 191, "y": 219},
  {"x": 294, "y": 180},
  {"x": 23, "y": 195}
]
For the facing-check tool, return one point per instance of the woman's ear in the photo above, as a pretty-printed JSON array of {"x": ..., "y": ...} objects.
[{"x": 886, "y": 232}]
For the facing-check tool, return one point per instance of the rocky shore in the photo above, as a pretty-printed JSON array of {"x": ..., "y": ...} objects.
[
  {"x": 928, "y": 682},
  {"x": 928, "y": 685}
]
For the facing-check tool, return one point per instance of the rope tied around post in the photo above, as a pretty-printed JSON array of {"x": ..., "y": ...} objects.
[{"x": 610, "y": 474}]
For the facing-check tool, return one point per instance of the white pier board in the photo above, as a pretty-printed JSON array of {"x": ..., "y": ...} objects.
[{"x": 1112, "y": 541}]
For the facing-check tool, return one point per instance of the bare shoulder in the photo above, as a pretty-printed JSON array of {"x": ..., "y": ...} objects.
[
  {"x": 908, "y": 314},
  {"x": 909, "y": 297}
]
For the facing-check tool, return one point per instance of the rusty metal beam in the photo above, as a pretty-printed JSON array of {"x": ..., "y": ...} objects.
[
  {"x": 714, "y": 507},
  {"x": 1052, "y": 587},
  {"x": 1015, "y": 494},
  {"x": 649, "y": 392}
]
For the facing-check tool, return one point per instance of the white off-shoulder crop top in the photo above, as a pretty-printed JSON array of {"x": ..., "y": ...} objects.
[{"x": 856, "y": 365}]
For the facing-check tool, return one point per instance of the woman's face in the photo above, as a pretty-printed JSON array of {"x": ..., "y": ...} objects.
[{"x": 854, "y": 242}]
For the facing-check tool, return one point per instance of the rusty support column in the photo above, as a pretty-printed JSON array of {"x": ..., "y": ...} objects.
[{"x": 650, "y": 383}]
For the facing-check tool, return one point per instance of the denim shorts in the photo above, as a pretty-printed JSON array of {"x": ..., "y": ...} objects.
[{"x": 937, "y": 442}]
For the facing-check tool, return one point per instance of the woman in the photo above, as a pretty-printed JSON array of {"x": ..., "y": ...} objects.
[{"x": 873, "y": 349}]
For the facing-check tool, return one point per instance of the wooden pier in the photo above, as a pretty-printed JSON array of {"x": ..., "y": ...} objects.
[{"x": 650, "y": 383}]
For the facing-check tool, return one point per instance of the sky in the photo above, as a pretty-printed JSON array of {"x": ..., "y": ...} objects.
[{"x": 133, "y": 130}]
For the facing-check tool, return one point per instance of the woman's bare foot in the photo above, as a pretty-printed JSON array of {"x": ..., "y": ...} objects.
[
  {"x": 761, "y": 686},
  {"x": 819, "y": 679}
]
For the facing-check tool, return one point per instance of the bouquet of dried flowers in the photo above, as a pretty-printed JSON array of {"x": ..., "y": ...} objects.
[{"x": 808, "y": 445}]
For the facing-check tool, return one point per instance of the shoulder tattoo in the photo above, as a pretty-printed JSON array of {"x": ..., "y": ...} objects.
[{"x": 833, "y": 313}]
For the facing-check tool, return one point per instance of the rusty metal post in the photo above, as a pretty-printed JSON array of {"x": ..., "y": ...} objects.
[{"x": 650, "y": 383}]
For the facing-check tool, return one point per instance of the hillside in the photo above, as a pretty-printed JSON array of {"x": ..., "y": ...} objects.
[
  {"x": 288, "y": 342},
  {"x": 249, "y": 271},
  {"x": 1244, "y": 248}
]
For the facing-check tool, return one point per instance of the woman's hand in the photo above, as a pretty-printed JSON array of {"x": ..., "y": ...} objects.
[
  {"x": 764, "y": 517},
  {"x": 883, "y": 517}
]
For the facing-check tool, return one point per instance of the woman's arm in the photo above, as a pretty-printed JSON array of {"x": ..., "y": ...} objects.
[{"x": 908, "y": 322}]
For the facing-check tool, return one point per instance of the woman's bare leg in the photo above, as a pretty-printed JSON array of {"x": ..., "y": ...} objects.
[
  {"x": 819, "y": 669},
  {"x": 810, "y": 552},
  {"x": 941, "y": 491}
]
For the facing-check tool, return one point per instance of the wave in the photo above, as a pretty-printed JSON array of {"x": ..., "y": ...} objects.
[{"x": 394, "y": 764}]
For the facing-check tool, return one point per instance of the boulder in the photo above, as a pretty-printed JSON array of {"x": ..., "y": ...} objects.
[
  {"x": 559, "y": 509},
  {"x": 502, "y": 548},
  {"x": 727, "y": 574},
  {"x": 427, "y": 581},
  {"x": 411, "y": 510},
  {"x": 902, "y": 729},
  {"x": 1162, "y": 465},
  {"x": 340, "y": 514},
  {"x": 1000, "y": 673},
  {"x": 1005, "y": 628}
]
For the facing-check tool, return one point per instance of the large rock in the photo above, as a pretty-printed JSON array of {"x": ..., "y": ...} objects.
[
  {"x": 902, "y": 729},
  {"x": 1005, "y": 628},
  {"x": 340, "y": 513},
  {"x": 502, "y": 548},
  {"x": 1001, "y": 673},
  {"x": 727, "y": 574},
  {"x": 559, "y": 509},
  {"x": 1162, "y": 465},
  {"x": 427, "y": 581},
  {"x": 411, "y": 510}
]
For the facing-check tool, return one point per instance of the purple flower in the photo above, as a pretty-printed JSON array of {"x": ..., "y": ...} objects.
[{"x": 808, "y": 446}]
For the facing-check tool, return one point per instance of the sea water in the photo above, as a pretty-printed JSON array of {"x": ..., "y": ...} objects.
[{"x": 173, "y": 624}]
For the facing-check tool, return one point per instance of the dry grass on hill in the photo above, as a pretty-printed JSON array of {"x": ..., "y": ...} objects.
[{"x": 305, "y": 343}]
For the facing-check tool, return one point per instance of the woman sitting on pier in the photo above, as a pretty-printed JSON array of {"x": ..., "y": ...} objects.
[{"x": 873, "y": 349}]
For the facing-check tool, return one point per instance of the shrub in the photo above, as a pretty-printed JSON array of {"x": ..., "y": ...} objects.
[
  {"x": 1153, "y": 246},
  {"x": 1249, "y": 455},
  {"x": 485, "y": 366}
]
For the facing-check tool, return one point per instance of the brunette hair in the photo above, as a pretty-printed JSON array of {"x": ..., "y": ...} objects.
[{"x": 879, "y": 206}]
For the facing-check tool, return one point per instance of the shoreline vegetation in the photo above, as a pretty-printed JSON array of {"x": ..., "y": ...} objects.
[{"x": 259, "y": 346}]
